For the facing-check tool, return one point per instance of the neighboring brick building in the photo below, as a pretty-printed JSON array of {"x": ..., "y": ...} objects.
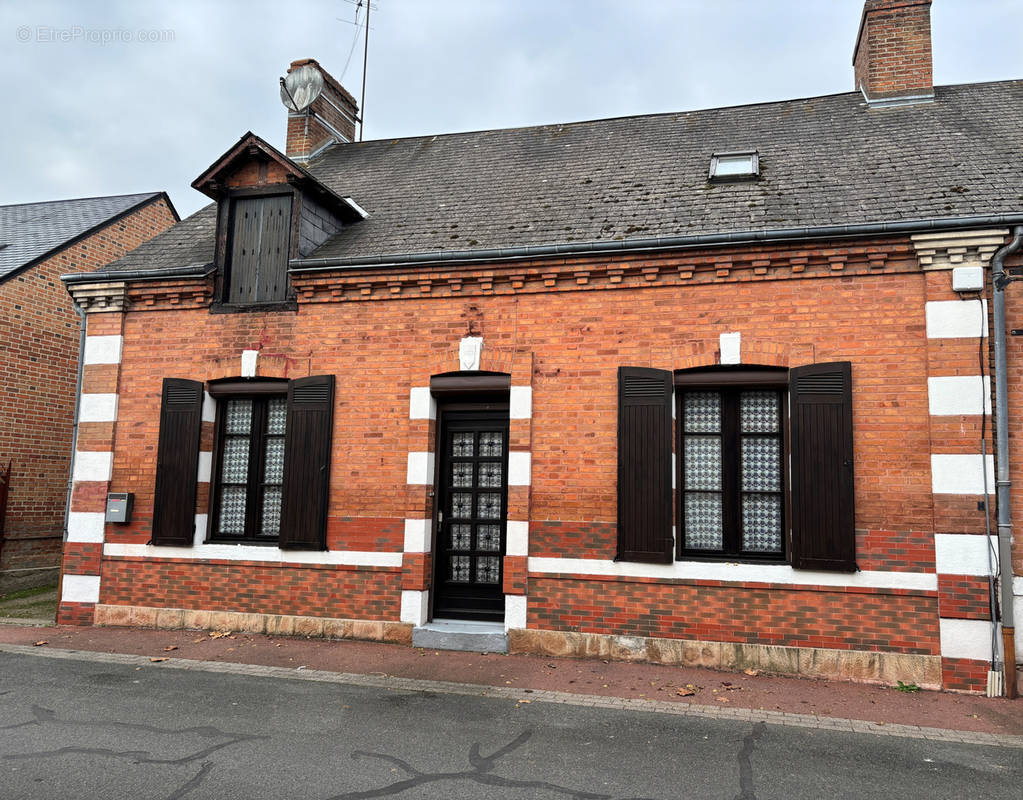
[
  {"x": 39, "y": 340},
  {"x": 706, "y": 387}
]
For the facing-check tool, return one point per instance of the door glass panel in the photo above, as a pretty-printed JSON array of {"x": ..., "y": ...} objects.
[
  {"x": 488, "y": 569},
  {"x": 489, "y": 505},
  {"x": 461, "y": 505},
  {"x": 462, "y": 445},
  {"x": 488, "y": 537},
  {"x": 491, "y": 444},
  {"x": 490, "y": 475},
  {"x": 461, "y": 474},
  {"x": 460, "y": 569},
  {"x": 461, "y": 537}
]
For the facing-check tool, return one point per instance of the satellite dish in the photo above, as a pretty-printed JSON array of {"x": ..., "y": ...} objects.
[{"x": 301, "y": 87}]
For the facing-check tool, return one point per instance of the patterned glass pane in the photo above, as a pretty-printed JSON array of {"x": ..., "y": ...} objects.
[
  {"x": 761, "y": 523},
  {"x": 703, "y": 462},
  {"x": 236, "y": 460},
  {"x": 273, "y": 471},
  {"x": 758, "y": 412},
  {"x": 460, "y": 569},
  {"x": 461, "y": 444},
  {"x": 276, "y": 415},
  {"x": 461, "y": 505},
  {"x": 488, "y": 569},
  {"x": 271, "y": 511},
  {"x": 461, "y": 536},
  {"x": 239, "y": 416},
  {"x": 489, "y": 506},
  {"x": 701, "y": 412},
  {"x": 232, "y": 511},
  {"x": 703, "y": 521},
  {"x": 761, "y": 465},
  {"x": 491, "y": 444},
  {"x": 488, "y": 537},
  {"x": 461, "y": 474},
  {"x": 490, "y": 475}
]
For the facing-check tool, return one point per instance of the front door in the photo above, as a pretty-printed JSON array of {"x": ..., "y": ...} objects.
[{"x": 472, "y": 499}]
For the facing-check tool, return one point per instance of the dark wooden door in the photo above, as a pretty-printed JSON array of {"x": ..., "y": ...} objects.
[{"x": 472, "y": 503}]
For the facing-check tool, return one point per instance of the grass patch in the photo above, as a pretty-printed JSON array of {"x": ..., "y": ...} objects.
[{"x": 23, "y": 593}]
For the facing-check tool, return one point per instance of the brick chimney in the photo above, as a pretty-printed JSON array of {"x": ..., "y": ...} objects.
[
  {"x": 892, "y": 58},
  {"x": 330, "y": 118}
]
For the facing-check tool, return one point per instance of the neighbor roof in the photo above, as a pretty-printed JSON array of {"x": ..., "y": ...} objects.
[
  {"x": 824, "y": 161},
  {"x": 31, "y": 231}
]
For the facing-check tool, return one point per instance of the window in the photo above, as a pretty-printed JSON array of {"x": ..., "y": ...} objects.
[
  {"x": 736, "y": 166},
  {"x": 764, "y": 465},
  {"x": 250, "y": 468},
  {"x": 272, "y": 453},
  {"x": 731, "y": 456},
  {"x": 258, "y": 251}
]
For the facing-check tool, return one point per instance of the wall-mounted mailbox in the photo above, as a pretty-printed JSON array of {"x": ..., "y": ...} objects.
[{"x": 119, "y": 506}]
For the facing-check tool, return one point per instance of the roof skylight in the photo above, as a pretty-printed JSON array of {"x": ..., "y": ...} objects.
[{"x": 741, "y": 165}]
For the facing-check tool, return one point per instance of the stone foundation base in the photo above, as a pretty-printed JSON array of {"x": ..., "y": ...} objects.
[
  {"x": 240, "y": 622},
  {"x": 811, "y": 662}
]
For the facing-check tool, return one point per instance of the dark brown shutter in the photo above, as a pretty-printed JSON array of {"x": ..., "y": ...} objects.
[
  {"x": 260, "y": 242},
  {"x": 177, "y": 462},
  {"x": 644, "y": 465},
  {"x": 307, "y": 463},
  {"x": 823, "y": 533}
]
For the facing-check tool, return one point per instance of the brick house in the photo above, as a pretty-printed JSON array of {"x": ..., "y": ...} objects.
[
  {"x": 709, "y": 387},
  {"x": 39, "y": 341}
]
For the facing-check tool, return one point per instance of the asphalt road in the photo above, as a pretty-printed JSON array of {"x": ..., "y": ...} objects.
[{"x": 82, "y": 730}]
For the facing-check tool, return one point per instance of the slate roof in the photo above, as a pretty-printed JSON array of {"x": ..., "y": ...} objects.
[
  {"x": 33, "y": 230},
  {"x": 824, "y": 161}
]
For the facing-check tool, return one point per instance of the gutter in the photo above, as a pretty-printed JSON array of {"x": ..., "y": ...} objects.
[
  {"x": 300, "y": 265},
  {"x": 74, "y": 445},
  {"x": 191, "y": 271},
  {"x": 999, "y": 280}
]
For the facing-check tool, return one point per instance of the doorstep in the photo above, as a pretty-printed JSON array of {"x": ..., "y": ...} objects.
[{"x": 458, "y": 634}]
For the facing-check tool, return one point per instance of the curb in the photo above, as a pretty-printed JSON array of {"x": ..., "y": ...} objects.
[{"x": 393, "y": 683}]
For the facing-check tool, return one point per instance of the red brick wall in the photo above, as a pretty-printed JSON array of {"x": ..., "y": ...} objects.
[
  {"x": 579, "y": 330},
  {"x": 253, "y": 587},
  {"x": 734, "y": 612},
  {"x": 39, "y": 334}
]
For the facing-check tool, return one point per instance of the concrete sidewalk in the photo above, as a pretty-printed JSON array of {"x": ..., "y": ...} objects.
[{"x": 528, "y": 679}]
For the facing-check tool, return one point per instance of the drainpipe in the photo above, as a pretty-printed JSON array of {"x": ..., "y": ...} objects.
[{"x": 999, "y": 281}]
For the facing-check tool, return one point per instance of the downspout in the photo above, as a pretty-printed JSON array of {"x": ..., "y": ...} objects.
[{"x": 999, "y": 281}]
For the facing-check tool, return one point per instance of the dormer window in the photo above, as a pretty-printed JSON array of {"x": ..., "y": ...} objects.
[
  {"x": 735, "y": 166},
  {"x": 270, "y": 211},
  {"x": 258, "y": 249}
]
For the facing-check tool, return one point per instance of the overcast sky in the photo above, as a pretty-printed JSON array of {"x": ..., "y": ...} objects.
[{"x": 120, "y": 97}]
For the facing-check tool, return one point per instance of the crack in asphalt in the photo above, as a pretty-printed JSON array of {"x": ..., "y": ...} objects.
[
  {"x": 479, "y": 774},
  {"x": 46, "y": 716},
  {"x": 749, "y": 742}
]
